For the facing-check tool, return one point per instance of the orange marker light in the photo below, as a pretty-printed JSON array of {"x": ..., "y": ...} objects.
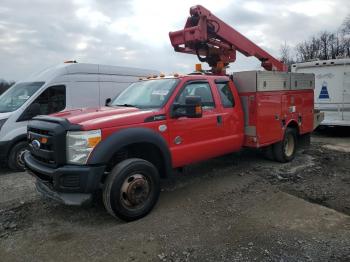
[
  {"x": 43, "y": 140},
  {"x": 198, "y": 110},
  {"x": 93, "y": 141},
  {"x": 198, "y": 67}
]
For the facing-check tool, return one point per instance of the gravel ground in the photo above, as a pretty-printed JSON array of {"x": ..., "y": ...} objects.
[{"x": 239, "y": 207}]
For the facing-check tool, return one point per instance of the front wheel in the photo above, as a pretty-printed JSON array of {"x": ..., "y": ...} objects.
[
  {"x": 284, "y": 151},
  {"x": 131, "y": 189},
  {"x": 16, "y": 156}
]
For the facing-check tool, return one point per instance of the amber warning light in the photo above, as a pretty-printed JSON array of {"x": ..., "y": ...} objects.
[{"x": 198, "y": 67}]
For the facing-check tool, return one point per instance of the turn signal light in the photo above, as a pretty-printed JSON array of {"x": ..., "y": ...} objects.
[
  {"x": 43, "y": 140},
  {"x": 93, "y": 141}
]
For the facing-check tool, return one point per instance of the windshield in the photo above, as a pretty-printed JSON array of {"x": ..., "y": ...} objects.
[
  {"x": 146, "y": 94},
  {"x": 17, "y": 95}
]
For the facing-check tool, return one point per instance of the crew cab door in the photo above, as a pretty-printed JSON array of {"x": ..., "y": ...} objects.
[{"x": 195, "y": 139}]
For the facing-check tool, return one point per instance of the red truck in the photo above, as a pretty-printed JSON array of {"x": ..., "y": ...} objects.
[{"x": 161, "y": 123}]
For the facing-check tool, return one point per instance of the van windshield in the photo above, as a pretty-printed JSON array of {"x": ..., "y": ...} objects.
[
  {"x": 146, "y": 94},
  {"x": 17, "y": 95}
]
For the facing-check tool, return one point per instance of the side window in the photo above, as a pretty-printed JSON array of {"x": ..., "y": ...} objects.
[
  {"x": 226, "y": 95},
  {"x": 52, "y": 100},
  {"x": 201, "y": 89}
]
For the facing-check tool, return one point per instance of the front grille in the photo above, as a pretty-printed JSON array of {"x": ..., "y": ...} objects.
[
  {"x": 47, "y": 141},
  {"x": 52, "y": 150},
  {"x": 45, "y": 151}
]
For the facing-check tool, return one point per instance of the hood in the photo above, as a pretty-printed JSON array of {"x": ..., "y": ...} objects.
[
  {"x": 105, "y": 117},
  {"x": 5, "y": 115}
]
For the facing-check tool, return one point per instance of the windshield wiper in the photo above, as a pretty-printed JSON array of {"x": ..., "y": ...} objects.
[{"x": 127, "y": 105}]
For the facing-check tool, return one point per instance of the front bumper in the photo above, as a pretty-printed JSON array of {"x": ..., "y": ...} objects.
[{"x": 69, "y": 184}]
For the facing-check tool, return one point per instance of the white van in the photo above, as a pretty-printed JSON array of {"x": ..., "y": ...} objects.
[
  {"x": 63, "y": 87},
  {"x": 332, "y": 88}
]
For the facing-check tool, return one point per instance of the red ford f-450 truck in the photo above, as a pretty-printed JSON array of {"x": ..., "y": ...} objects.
[{"x": 161, "y": 123}]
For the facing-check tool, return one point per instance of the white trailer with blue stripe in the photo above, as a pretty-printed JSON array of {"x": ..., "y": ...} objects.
[{"x": 332, "y": 88}]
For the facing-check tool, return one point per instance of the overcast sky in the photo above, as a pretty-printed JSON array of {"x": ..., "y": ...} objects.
[{"x": 39, "y": 33}]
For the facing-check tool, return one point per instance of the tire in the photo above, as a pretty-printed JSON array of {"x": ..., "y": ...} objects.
[
  {"x": 15, "y": 160},
  {"x": 132, "y": 189},
  {"x": 284, "y": 151},
  {"x": 268, "y": 153}
]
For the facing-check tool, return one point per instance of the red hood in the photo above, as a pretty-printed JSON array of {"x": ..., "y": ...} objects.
[{"x": 105, "y": 117}]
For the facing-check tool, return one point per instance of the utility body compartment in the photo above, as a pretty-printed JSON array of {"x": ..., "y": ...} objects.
[{"x": 271, "y": 101}]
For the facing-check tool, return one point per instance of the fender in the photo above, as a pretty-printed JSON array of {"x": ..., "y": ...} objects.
[
  {"x": 293, "y": 123},
  {"x": 106, "y": 148},
  {"x": 6, "y": 146}
]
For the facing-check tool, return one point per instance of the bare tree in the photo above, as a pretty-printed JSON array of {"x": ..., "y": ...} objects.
[
  {"x": 286, "y": 55},
  {"x": 4, "y": 85},
  {"x": 326, "y": 45}
]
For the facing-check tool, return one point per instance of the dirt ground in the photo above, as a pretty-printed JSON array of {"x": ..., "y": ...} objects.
[{"x": 239, "y": 207}]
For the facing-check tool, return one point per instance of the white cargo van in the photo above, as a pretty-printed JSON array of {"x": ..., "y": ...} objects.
[
  {"x": 332, "y": 88},
  {"x": 66, "y": 86}
]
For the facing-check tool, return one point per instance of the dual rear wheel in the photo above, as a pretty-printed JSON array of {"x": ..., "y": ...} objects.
[{"x": 283, "y": 151}]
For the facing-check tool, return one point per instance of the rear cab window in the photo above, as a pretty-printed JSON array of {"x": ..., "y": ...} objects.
[{"x": 225, "y": 92}]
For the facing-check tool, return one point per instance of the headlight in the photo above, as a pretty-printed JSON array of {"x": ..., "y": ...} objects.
[
  {"x": 80, "y": 144},
  {"x": 2, "y": 122}
]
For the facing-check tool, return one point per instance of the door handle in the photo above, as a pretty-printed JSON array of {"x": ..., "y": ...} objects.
[{"x": 219, "y": 120}]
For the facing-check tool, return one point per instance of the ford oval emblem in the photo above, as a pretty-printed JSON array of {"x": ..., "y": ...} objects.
[{"x": 36, "y": 144}]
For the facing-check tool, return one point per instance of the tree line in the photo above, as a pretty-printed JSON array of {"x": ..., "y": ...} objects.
[
  {"x": 322, "y": 46},
  {"x": 4, "y": 85}
]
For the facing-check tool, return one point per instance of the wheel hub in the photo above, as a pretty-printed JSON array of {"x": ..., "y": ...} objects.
[
  {"x": 20, "y": 157},
  {"x": 135, "y": 190}
]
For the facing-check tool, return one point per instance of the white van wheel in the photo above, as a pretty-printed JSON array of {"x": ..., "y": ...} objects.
[{"x": 16, "y": 156}]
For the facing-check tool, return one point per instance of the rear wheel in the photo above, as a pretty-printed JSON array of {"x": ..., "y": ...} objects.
[
  {"x": 16, "y": 156},
  {"x": 268, "y": 153},
  {"x": 131, "y": 189},
  {"x": 284, "y": 151}
]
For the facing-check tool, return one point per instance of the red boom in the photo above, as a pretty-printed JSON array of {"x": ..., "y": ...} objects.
[{"x": 216, "y": 43}]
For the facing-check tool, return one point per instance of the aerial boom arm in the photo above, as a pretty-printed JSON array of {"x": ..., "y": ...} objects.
[{"x": 216, "y": 43}]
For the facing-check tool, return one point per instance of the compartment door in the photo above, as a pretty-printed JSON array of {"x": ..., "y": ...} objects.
[{"x": 270, "y": 117}]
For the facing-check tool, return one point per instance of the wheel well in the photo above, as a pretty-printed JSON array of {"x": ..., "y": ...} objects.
[
  {"x": 294, "y": 125},
  {"x": 146, "y": 151},
  {"x": 15, "y": 141}
]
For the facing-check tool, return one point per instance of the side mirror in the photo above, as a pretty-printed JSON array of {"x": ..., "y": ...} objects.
[
  {"x": 192, "y": 108},
  {"x": 108, "y": 101},
  {"x": 32, "y": 111}
]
